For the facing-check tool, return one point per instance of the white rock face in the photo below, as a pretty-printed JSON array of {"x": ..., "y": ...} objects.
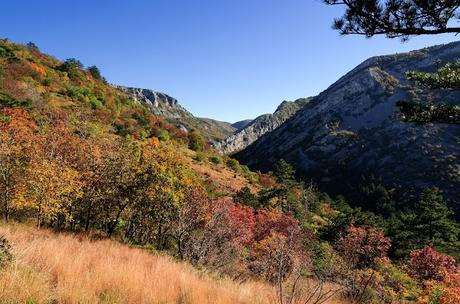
[
  {"x": 159, "y": 103},
  {"x": 259, "y": 126},
  {"x": 354, "y": 128},
  {"x": 168, "y": 107}
]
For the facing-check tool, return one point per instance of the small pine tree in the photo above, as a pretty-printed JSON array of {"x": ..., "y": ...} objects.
[
  {"x": 95, "y": 72},
  {"x": 32, "y": 46},
  {"x": 245, "y": 197},
  {"x": 284, "y": 172},
  {"x": 433, "y": 222},
  {"x": 71, "y": 63}
]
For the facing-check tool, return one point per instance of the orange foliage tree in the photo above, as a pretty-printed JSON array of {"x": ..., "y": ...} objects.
[{"x": 16, "y": 140}]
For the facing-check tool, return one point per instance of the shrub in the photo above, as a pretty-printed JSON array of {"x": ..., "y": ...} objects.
[
  {"x": 451, "y": 291},
  {"x": 196, "y": 141},
  {"x": 199, "y": 157},
  {"x": 233, "y": 164},
  {"x": 428, "y": 264},
  {"x": 11, "y": 102},
  {"x": 163, "y": 135},
  {"x": 95, "y": 72},
  {"x": 70, "y": 64},
  {"x": 215, "y": 159},
  {"x": 73, "y": 67},
  {"x": 363, "y": 245},
  {"x": 32, "y": 46},
  {"x": 95, "y": 103},
  {"x": 6, "y": 52},
  {"x": 79, "y": 93},
  {"x": 435, "y": 295},
  {"x": 5, "y": 252},
  {"x": 245, "y": 197},
  {"x": 396, "y": 285}
]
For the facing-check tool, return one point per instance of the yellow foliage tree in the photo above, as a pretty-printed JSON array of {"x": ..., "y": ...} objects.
[{"x": 50, "y": 191}]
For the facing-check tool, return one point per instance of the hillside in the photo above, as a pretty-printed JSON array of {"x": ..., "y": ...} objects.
[
  {"x": 256, "y": 128},
  {"x": 168, "y": 107},
  {"x": 241, "y": 124},
  {"x": 353, "y": 131}
]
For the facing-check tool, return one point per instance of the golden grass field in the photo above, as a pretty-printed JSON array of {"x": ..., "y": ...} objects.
[{"x": 66, "y": 268}]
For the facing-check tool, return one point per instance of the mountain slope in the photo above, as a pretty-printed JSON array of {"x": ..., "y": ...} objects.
[
  {"x": 168, "y": 107},
  {"x": 259, "y": 126},
  {"x": 241, "y": 124},
  {"x": 354, "y": 129}
]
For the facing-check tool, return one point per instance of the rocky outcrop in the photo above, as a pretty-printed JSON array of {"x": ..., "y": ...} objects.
[
  {"x": 354, "y": 129},
  {"x": 259, "y": 126},
  {"x": 169, "y": 108}
]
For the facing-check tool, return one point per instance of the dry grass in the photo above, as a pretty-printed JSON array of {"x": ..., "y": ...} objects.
[{"x": 64, "y": 268}]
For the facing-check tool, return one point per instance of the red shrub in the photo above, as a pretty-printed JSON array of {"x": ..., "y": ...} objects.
[
  {"x": 428, "y": 264},
  {"x": 362, "y": 245},
  {"x": 274, "y": 221},
  {"x": 239, "y": 221},
  {"x": 242, "y": 219}
]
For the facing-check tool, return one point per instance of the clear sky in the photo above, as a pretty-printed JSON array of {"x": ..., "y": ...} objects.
[{"x": 223, "y": 59}]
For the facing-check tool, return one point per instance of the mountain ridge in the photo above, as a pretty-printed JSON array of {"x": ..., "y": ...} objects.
[
  {"x": 168, "y": 107},
  {"x": 259, "y": 126},
  {"x": 353, "y": 128}
]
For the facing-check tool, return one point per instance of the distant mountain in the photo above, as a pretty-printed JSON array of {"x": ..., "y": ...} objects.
[
  {"x": 213, "y": 125},
  {"x": 241, "y": 124},
  {"x": 259, "y": 126},
  {"x": 168, "y": 107},
  {"x": 354, "y": 131}
]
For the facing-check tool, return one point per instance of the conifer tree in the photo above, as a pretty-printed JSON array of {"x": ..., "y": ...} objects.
[{"x": 433, "y": 222}]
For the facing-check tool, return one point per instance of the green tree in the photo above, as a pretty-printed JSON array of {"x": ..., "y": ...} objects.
[
  {"x": 433, "y": 222},
  {"x": 32, "y": 46},
  {"x": 446, "y": 77},
  {"x": 72, "y": 67},
  {"x": 245, "y": 197},
  {"x": 401, "y": 18},
  {"x": 71, "y": 63},
  {"x": 284, "y": 172},
  {"x": 95, "y": 72},
  {"x": 286, "y": 196},
  {"x": 428, "y": 224}
]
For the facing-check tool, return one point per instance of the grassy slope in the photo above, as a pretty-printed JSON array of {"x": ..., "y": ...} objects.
[
  {"x": 70, "y": 269},
  {"x": 67, "y": 268}
]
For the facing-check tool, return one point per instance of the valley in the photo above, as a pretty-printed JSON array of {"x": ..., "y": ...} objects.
[{"x": 119, "y": 194}]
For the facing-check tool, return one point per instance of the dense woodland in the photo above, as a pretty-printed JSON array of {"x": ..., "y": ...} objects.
[{"x": 77, "y": 155}]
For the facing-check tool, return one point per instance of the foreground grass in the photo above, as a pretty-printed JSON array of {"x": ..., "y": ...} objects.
[
  {"x": 63, "y": 268},
  {"x": 70, "y": 268}
]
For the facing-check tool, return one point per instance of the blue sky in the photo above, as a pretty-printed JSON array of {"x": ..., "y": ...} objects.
[{"x": 223, "y": 59}]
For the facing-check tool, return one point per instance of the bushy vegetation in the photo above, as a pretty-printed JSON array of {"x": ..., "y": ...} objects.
[{"x": 5, "y": 252}]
